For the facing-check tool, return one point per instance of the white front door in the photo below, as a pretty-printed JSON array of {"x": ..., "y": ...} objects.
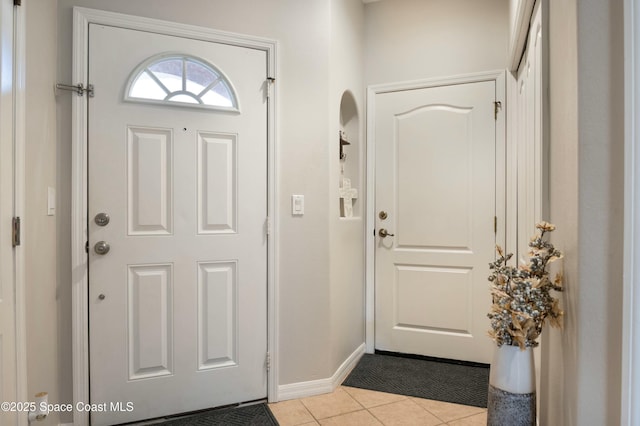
[
  {"x": 435, "y": 191},
  {"x": 178, "y": 304}
]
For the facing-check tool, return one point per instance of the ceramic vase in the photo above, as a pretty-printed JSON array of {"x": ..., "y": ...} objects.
[{"x": 512, "y": 388}]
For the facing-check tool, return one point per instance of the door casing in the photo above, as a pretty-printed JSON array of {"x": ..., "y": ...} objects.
[
  {"x": 82, "y": 17},
  {"x": 501, "y": 172},
  {"x": 13, "y": 139}
]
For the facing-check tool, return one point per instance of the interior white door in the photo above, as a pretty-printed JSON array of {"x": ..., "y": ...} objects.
[
  {"x": 435, "y": 195},
  {"x": 178, "y": 305}
]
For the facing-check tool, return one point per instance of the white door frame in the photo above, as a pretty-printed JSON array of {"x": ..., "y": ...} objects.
[
  {"x": 13, "y": 37},
  {"x": 630, "y": 410},
  {"x": 82, "y": 17},
  {"x": 520, "y": 31},
  {"x": 499, "y": 77}
]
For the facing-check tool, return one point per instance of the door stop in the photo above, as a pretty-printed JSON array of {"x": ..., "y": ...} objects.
[{"x": 78, "y": 88}]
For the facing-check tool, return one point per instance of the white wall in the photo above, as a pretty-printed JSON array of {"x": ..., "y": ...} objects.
[
  {"x": 513, "y": 9},
  {"x": 582, "y": 363},
  {"x": 601, "y": 196},
  {"x": 442, "y": 37},
  {"x": 347, "y": 235},
  {"x": 559, "y": 349},
  {"x": 320, "y": 323},
  {"x": 303, "y": 86},
  {"x": 438, "y": 38},
  {"x": 47, "y": 355}
]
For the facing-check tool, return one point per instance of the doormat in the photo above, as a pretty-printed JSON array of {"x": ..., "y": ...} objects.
[
  {"x": 441, "y": 380},
  {"x": 248, "y": 415}
]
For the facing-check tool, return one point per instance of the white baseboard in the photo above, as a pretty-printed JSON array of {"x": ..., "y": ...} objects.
[
  {"x": 320, "y": 386},
  {"x": 65, "y": 424}
]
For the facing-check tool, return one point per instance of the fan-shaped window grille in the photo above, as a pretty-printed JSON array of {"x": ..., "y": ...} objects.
[{"x": 181, "y": 79}]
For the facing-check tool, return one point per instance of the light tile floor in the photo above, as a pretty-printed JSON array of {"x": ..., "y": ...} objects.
[{"x": 348, "y": 406}]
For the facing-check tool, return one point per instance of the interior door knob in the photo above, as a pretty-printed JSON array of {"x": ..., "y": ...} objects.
[
  {"x": 102, "y": 247},
  {"x": 384, "y": 233}
]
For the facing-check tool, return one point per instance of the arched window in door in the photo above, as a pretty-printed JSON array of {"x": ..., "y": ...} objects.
[{"x": 178, "y": 79}]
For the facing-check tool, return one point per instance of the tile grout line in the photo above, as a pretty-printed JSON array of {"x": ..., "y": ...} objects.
[
  {"x": 368, "y": 409},
  {"x": 407, "y": 398},
  {"x": 470, "y": 415},
  {"x": 376, "y": 417},
  {"x": 347, "y": 412},
  {"x": 446, "y": 422},
  {"x": 308, "y": 411}
]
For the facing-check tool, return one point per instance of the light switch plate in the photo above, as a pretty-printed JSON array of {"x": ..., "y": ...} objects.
[
  {"x": 297, "y": 205},
  {"x": 51, "y": 201}
]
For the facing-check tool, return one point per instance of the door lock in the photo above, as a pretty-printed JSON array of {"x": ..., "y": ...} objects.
[
  {"x": 382, "y": 215},
  {"x": 102, "y": 247},
  {"x": 384, "y": 233},
  {"x": 102, "y": 219}
]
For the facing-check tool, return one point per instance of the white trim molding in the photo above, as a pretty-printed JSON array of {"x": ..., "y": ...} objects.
[
  {"x": 320, "y": 386},
  {"x": 19, "y": 131},
  {"x": 519, "y": 31},
  {"x": 499, "y": 76},
  {"x": 630, "y": 410},
  {"x": 82, "y": 17}
]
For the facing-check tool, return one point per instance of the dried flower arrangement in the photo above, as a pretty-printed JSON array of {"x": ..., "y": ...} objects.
[{"x": 521, "y": 295}]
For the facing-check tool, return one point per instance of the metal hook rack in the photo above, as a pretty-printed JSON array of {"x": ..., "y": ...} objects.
[{"x": 343, "y": 142}]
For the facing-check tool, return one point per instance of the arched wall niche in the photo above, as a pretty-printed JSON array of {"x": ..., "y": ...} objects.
[{"x": 350, "y": 158}]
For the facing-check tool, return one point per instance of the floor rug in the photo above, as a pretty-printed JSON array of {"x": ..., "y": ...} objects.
[
  {"x": 250, "y": 415},
  {"x": 441, "y": 380}
]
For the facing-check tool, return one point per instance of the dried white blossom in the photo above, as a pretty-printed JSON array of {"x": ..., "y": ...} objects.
[{"x": 521, "y": 295}]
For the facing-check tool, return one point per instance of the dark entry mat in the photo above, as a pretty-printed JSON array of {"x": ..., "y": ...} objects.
[
  {"x": 250, "y": 415},
  {"x": 423, "y": 378}
]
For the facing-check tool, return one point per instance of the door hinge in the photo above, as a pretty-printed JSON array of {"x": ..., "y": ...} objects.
[
  {"x": 268, "y": 226},
  {"x": 497, "y": 106},
  {"x": 15, "y": 231},
  {"x": 17, "y": 2},
  {"x": 78, "y": 88},
  {"x": 495, "y": 224},
  {"x": 270, "y": 83},
  {"x": 86, "y": 247},
  {"x": 268, "y": 361}
]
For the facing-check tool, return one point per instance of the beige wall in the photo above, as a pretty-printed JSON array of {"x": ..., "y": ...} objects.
[
  {"x": 347, "y": 235},
  {"x": 321, "y": 54},
  {"x": 47, "y": 356},
  {"x": 320, "y": 323},
  {"x": 600, "y": 203},
  {"x": 442, "y": 37},
  {"x": 558, "y": 391},
  {"x": 302, "y": 84},
  {"x": 416, "y": 39},
  {"x": 582, "y": 363}
]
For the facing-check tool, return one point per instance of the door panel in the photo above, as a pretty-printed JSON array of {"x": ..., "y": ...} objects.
[
  {"x": 177, "y": 305},
  {"x": 150, "y": 331},
  {"x": 216, "y": 183},
  {"x": 419, "y": 309},
  {"x": 436, "y": 180},
  {"x": 217, "y": 313},
  {"x": 149, "y": 177},
  {"x": 426, "y": 159}
]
